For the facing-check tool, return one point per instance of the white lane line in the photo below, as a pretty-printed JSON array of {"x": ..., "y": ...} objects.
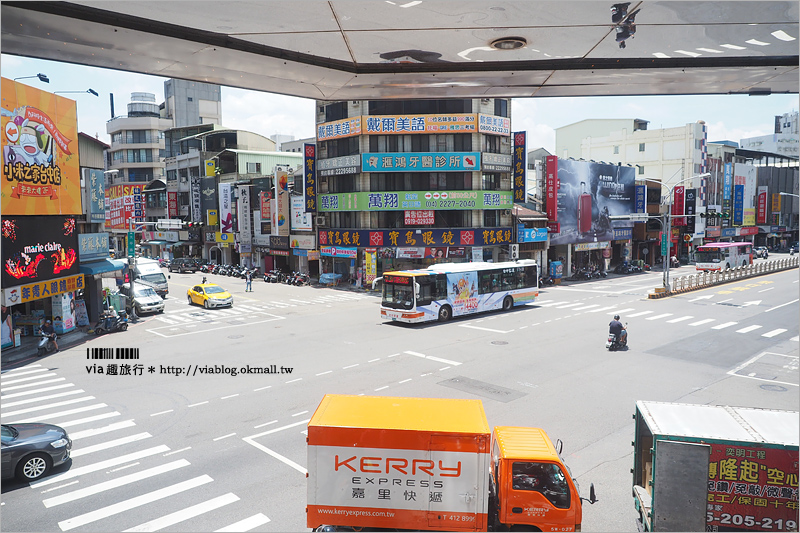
[
  {"x": 722, "y": 301},
  {"x": 177, "y": 451},
  {"x": 432, "y": 358},
  {"x": 620, "y": 311},
  {"x": 17, "y": 387},
  {"x": 300, "y": 301},
  {"x": 725, "y": 325},
  {"x": 293, "y": 380},
  {"x": 681, "y": 319},
  {"x": 551, "y": 303},
  {"x": 41, "y": 398},
  {"x": 127, "y": 505},
  {"x": 266, "y": 424},
  {"x": 198, "y": 403},
  {"x": 47, "y": 406},
  {"x": 782, "y": 305},
  {"x": 64, "y": 485},
  {"x": 300, "y": 413},
  {"x": 229, "y": 396},
  {"x": 36, "y": 391},
  {"x": 99, "y": 431},
  {"x": 262, "y": 388},
  {"x": 224, "y": 437},
  {"x": 187, "y": 513},
  {"x": 31, "y": 378},
  {"x": 373, "y": 360},
  {"x": 62, "y": 413},
  {"x": 795, "y": 339},
  {"x": 110, "y": 444},
  {"x": 88, "y": 419},
  {"x": 601, "y": 309},
  {"x": 381, "y": 388},
  {"x": 484, "y": 329},
  {"x": 15, "y": 374},
  {"x": 586, "y": 307},
  {"x": 767, "y": 289},
  {"x": 748, "y": 329},
  {"x": 276, "y": 455},
  {"x": 323, "y": 373},
  {"x": 351, "y": 366},
  {"x": 162, "y": 412},
  {"x": 773, "y": 332},
  {"x": 245, "y": 525},
  {"x": 404, "y": 381},
  {"x": 664, "y": 315},
  {"x": 701, "y": 322},
  {"x": 167, "y": 320},
  {"x": 642, "y": 313},
  {"x": 114, "y": 483},
  {"x": 102, "y": 465}
]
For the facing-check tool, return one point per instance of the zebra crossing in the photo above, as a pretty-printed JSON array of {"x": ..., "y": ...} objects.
[
  {"x": 631, "y": 312},
  {"x": 104, "y": 446}
]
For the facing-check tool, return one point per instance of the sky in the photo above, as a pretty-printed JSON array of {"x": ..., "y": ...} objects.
[{"x": 729, "y": 117}]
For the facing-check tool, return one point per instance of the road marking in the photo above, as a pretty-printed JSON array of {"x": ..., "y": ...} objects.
[
  {"x": 114, "y": 483},
  {"x": 293, "y": 380},
  {"x": 373, "y": 360},
  {"x": 701, "y": 322},
  {"x": 323, "y": 373},
  {"x": 224, "y": 437},
  {"x": 735, "y": 371},
  {"x": 722, "y": 301},
  {"x": 484, "y": 329},
  {"x": 229, "y": 396},
  {"x": 37, "y": 391},
  {"x": 601, "y": 309},
  {"x": 567, "y": 305},
  {"x": 432, "y": 358},
  {"x": 110, "y": 444},
  {"x": 639, "y": 314},
  {"x": 300, "y": 301},
  {"x": 795, "y": 339},
  {"x": 65, "y": 485},
  {"x": 405, "y": 381},
  {"x": 198, "y": 403},
  {"x": 725, "y": 325},
  {"x": 31, "y": 378},
  {"x": 681, "y": 319},
  {"x": 620, "y": 311},
  {"x": 702, "y": 298},
  {"x": 102, "y": 465},
  {"x": 768, "y": 289},
  {"x": 185, "y": 514},
  {"x": 658, "y": 316},
  {"x": 551, "y": 303},
  {"x": 267, "y": 424},
  {"x": 99, "y": 431},
  {"x": 245, "y": 525},
  {"x": 15, "y": 374},
  {"x": 177, "y": 451},
  {"x": 773, "y": 332},
  {"x": 262, "y": 388},
  {"x": 16, "y": 387},
  {"x": 71, "y": 423},
  {"x": 748, "y": 329},
  {"x": 40, "y": 398},
  {"x": 138, "y": 501},
  {"x": 585, "y": 307},
  {"x": 300, "y": 413},
  {"x": 62, "y": 413},
  {"x": 207, "y": 329},
  {"x": 162, "y": 412},
  {"x": 381, "y": 388},
  {"x": 782, "y": 305},
  {"x": 351, "y": 366},
  {"x": 274, "y": 454}
]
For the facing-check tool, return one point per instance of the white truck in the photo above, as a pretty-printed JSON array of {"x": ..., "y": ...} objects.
[{"x": 148, "y": 272}]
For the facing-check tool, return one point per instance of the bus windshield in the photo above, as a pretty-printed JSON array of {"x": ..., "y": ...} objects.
[
  {"x": 708, "y": 256},
  {"x": 398, "y": 294}
]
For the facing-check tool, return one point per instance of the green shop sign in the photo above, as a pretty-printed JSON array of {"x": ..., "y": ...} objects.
[{"x": 400, "y": 201}]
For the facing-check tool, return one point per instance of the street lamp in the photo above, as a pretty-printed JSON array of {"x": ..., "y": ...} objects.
[
  {"x": 90, "y": 91},
  {"x": 41, "y": 77},
  {"x": 789, "y": 194}
]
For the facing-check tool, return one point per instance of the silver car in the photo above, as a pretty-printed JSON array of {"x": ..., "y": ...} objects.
[
  {"x": 144, "y": 298},
  {"x": 30, "y": 450}
]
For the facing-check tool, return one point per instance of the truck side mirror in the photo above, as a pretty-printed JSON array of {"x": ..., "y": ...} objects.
[
  {"x": 592, "y": 497},
  {"x": 559, "y": 446}
]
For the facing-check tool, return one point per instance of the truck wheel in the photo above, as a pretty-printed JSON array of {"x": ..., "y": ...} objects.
[
  {"x": 445, "y": 313},
  {"x": 508, "y": 303}
]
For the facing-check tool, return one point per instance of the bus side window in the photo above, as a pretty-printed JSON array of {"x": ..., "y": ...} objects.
[
  {"x": 531, "y": 276},
  {"x": 425, "y": 296},
  {"x": 440, "y": 291},
  {"x": 485, "y": 285}
]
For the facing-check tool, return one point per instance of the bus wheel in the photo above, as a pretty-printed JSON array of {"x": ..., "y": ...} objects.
[
  {"x": 445, "y": 313},
  {"x": 508, "y": 303}
]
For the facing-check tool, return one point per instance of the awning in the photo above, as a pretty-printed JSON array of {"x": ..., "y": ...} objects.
[
  {"x": 160, "y": 243},
  {"x": 106, "y": 265},
  {"x": 181, "y": 243}
]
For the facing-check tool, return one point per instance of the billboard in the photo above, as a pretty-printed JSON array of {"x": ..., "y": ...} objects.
[
  {"x": 225, "y": 209},
  {"x": 124, "y": 202},
  {"x": 519, "y": 184},
  {"x": 280, "y": 216},
  {"x": 415, "y": 200},
  {"x": 588, "y": 194},
  {"x": 41, "y": 174},
  {"x": 420, "y": 162},
  {"x": 38, "y": 249},
  {"x": 310, "y": 178}
]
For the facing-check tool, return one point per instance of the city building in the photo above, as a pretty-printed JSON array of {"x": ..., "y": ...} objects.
[
  {"x": 784, "y": 141},
  {"x": 189, "y": 103}
]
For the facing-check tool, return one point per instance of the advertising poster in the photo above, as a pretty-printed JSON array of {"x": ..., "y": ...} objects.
[
  {"x": 310, "y": 178},
  {"x": 38, "y": 248},
  {"x": 761, "y": 205},
  {"x": 519, "y": 165},
  {"x": 225, "y": 208},
  {"x": 301, "y": 219},
  {"x": 371, "y": 264},
  {"x": 588, "y": 195},
  {"x": 208, "y": 195},
  {"x": 419, "y": 218},
  {"x": 744, "y": 174},
  {"x": 776, "y": 203},
  {"x": 462, "y": 291},
  {"x": 265, "y": 199},
  {"x": 63, "y": 313},
  {"x": 738, "y": 205},
  {"x": 41, "y": 174},
  {"x": 125, "y": 203},
  {"x": 280, "y": 218},
  {"x": 8, "y": 332},
  {"x": 210, "y": 167},
  {"x": 96, "y": 194},
  {"x": 690, "y": 203}
]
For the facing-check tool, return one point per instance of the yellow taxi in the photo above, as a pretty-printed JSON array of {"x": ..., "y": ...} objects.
[{"x": 209, "y": 295}]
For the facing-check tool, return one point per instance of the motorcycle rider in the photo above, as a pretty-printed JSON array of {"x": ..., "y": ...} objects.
[
  {"x": 48, "y": 330},
  {"x": 616, "y": 327}
]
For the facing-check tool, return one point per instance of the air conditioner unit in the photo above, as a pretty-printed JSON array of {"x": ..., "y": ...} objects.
[{"x": 322, "y": 220}]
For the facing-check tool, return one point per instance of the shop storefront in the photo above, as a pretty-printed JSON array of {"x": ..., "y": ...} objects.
[{"x": 95, "y": 264}]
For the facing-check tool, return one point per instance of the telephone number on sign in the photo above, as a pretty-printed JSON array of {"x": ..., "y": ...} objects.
[
  {"x": 463, "y": 204},
  {"x": 750, "y": 521}
]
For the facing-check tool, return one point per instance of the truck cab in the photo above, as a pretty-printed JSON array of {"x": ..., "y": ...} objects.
[{"x": 530, "y": 485}]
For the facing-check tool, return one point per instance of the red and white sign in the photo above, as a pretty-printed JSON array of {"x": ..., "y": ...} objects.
[
  {"x": 419, "y": 218},
  {"x": 551, "y": 185},
  {"x": 266, "y": 205},
  {"x": 677, "y": 206},
  {"x": 172, "y": 204},
  {"x": 761, "y": 206},
  {"x": 411, "y": 253}
]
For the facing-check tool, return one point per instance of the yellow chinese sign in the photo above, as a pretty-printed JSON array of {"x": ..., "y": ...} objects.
[{"x": 42, "y": 289}]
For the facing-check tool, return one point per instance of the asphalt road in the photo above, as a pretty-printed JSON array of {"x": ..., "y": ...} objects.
[{"x": 207, "y": 450}]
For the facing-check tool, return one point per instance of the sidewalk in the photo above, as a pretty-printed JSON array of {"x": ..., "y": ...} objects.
[{"x": 30, "y": 344}]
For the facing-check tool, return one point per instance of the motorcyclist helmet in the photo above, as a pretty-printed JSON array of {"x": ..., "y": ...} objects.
[
  {"x": 616, "y": 317},
  {"x": 47, "y": 322}
]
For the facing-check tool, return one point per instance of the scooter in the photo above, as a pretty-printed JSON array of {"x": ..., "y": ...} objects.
[
  {"x": 117, "y": 323},
  {"x": 46, "y": 344},
  {"x": 613, "y": 343}
]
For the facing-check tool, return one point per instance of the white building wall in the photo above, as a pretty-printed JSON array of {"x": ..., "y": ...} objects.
[{"x": 570, "y": 137}]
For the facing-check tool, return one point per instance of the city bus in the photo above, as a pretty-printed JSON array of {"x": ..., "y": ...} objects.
[
  {"x": 445, "y": 290},
  {"x": 723, "y": 255}
]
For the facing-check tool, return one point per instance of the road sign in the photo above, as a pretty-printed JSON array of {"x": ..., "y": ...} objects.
[
  {"x": 131, "y": 244},
  {"x": 663, "y": 244}
]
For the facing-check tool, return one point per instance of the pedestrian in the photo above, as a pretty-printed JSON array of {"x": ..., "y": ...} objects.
[{"x": 248, "y": 281}]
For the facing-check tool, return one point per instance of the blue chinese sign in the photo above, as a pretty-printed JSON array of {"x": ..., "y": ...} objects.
[
  {"x": 639, "y": 199},
  {"x": 421, "y": 162},
  {"x": 738, "y": 205},
  {"x": 728, "y": 182},
  {"x": 96, "y": 189},
  {"x": 623, "y": 234},
  {"x": 531, "y": 234},
  {"x": 728, "y": 232},
  {"x": 92, "y": 246},
  {"x": 416, "y": 237}
]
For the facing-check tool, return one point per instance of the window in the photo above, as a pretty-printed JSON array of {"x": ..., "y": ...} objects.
[
  {"x": 547, "y": 479},
  {"x": 492, "y": 144},
  {"x": 641, "y": 169},
  {"x": 501, "y": 107},
  {"x": 616, "y": 149},
  {"x": 491, "y": 218},
  {"x": 335, "y": 111},
  {"x": 491, "y": 182},
  {"x": 254, "y": 168},
  {"x": 190, "y": 99},
  {"x": 490, "y": 281},
  {"x": 641, "y": 147}
]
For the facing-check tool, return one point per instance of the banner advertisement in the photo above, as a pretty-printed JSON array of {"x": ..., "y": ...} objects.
[
  {"x": 519, "y": 165},
  {"x": 208, "y": 194},
  {"x": 421, "y": 162},
  {"x": 280, "y": 217},
  {"x": 243, "y": 208},
  {"x": 38, "y": 248},
  {"x": 265, "y": 201},
  {"x": 172, "y": 204},
  {"x": 224, "y": 237},
  {"x": 727, "y": 192},
  {"x": 419, "y": 218},
  {"x": 404, "y": 124},
  {"x": 416, "y": 200},
  {"x": 41, "y": 174},
  {"x": 551, "y": 186},
  {"x": 589, "y": 194},
  {"x": 196, "y": 214},
  {"x": 496, "y": 162},
  {"x": 744, "y": 174},
  {"x": 211, "y": 168},
  {"x": 42, "y": 289},
  {"x": 776, "y": 203},
  {"x": 337, "y": 166},
  {"x": 125, "y": 202},
  {"x": 691, "y": 203},
  {"x": 640, "y": 204},
  {"x": 310, "y": 178},
  {"x": 279, "y": 242},
  {"x": 63, "y": 313},
  {"x": 96, "y": 191},
  {"x": 225, "y": 208},
  {"x": 749, "y": 216},
  {"x": 738, "y": 205},
  {"x": 761, "y": 205},
  {"x": 92, "y": 246},
  {"x": 346, "y": 127},
  {"x": 678, "y": 206},
  {"x": 371, "y": 264},
  {"x": 410, "y": 253},
  {"x": 531, "y": 234},
  {"x": 301, "y": 219},
  {"x": 494, "y": 125},
  {"x": 306, "y": 242},
  {"x": 410, "y": 238},
  {"x": 337, "y": 251}
]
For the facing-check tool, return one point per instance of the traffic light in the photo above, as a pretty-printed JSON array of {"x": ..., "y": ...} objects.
[
  {"x": 192, "y": 224},
  {"x": 725, "y": 214}
]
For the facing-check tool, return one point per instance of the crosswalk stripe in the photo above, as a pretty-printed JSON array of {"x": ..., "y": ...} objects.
[
  {"x": 99, "y": 431},
  {"x": 132, "y": 503},
  {"x": 114, "y": 483},
  {"x": 94, "y": 467},
  {"x": 30, "y": 378},
  {"x": 642, "y": 313},
  {"x": 40, "y": 398},
  {"x": 567, "y": 305},
  {"x": 773, "y": 332},
  {"x": 88, "y": 419},
  {"x": 62, "y": 413},
  {"x": 620, "y": 311},
  {"x": 550, "y": 304},
  {"x": 681, "y": 319},
  {"x": 748, "y": 329},
  {"x": 166, "y": 320},
  {"x": 281, "y": 304},
  {"x": 586, "y": 307},
  {"x": 725, "y": 325},
  {"x": 251, "y": 308},
  {"x": 539, "y": 302},
  {"x": 701, "y": 322},
  {"x": 28, "y": 385},
  {"x": 301, "y": 301},
  {"x": 15, "y": 374},
  {"x": 795, "y": 339},
  {"x": 664, "y": 315},
  {"x": 185, "y": 514},
  {"x": 37, "y": 391},
  {"x": 245, "y": 525},
  {"x": 47, "y": 406},
  {"x": 110, "y": 444},
  {"x": 601, "y": 309}
]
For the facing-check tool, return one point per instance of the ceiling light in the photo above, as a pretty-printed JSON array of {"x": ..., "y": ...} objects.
[{"x": 508, "y": 43}]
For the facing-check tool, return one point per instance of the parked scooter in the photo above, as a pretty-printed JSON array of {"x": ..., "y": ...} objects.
[
  {"x": 46, "y": 344},
  {"x": 613, "y": 343},
  {"x": 274, "y": 276},
  {"x": 300, "y": 279},
  {"x": 111, "y": 323}
]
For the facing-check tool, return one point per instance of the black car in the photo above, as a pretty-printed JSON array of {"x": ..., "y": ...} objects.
[{"x": 29, "y": 451}]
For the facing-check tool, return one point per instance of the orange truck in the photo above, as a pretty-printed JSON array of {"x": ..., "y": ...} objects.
[{"x": 428, "y": 464}]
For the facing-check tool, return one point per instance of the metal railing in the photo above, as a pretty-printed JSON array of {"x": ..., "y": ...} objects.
[{"x": 706, "y": 279}]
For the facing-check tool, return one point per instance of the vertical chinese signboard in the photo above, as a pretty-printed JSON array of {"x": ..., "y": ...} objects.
[
  {"x": 280, "y": 218},
  {"x": 265, "y": 200},
  {"x": 172, "y": 204},
  {"x": 243, "y": 210},
  {"x": 197, "y": 211},
  {"x": 761, "y": 206},
  {"x": 677, "y": 206},
  {"x": 518, "y": 168},
  {"x": 96, "y": 192},
  {"x": 738, "y": 205},
  {"x": 310, "y": 178},
  {"x": 125, "y": 203},
  {"x": 691, "y": 203},
  {"x": 40, "y": 162},
  {"x": 551, "y": 185},
  {"x": 225, "y": 209},
  {"x": 727, "y": 189}
]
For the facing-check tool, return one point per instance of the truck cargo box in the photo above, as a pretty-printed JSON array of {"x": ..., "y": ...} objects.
[{"x": 399, "y": 463}]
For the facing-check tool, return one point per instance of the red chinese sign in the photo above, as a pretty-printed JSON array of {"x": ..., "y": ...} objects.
[
  {"x": 172, "y": 204},
  {"x": 419, "y": 218},
  {"x": 761, "y": 206},
  {"x": 677, "y": 206}
]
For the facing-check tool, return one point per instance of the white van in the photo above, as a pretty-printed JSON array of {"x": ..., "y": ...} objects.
[{"x": 148, "y": 272}]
